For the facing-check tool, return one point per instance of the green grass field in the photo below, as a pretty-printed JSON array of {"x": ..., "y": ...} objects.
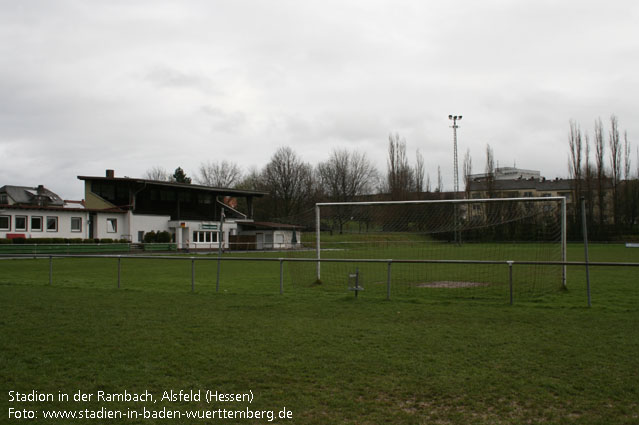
[{"x": 423, "y": 357}]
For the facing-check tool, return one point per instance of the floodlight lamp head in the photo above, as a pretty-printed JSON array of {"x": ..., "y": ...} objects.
[
  {"x": 450, "y": 117},
  {"x": 460, "y": 117}
]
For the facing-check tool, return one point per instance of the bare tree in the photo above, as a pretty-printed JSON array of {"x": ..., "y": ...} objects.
[
  {"x": 574, "y": 164},
  {"x": 400, "y": 174},
  {"x": 490, "y": 172},
  {"x": 588, "y": 178},
  {"x": 468, "y": 170},
  {"x": 251, "y": 180},
  {"x": 346, "y": 175},
  {"x": 157, "y": 173},
  {"x": 343, "y": 177},
  {"x": 440, "y": 182},
  {"x": 629, "y": 197},
  {"x": 615, "y": 165},
  {"x": 418, "y": 172},
  {"x": 219, "y": 174},
  {"x": 289, "y": 181},
  {"x": 626, "y": 157},
  {"x": 575, "y": 145},
  {"x": 600, "y": 169}
]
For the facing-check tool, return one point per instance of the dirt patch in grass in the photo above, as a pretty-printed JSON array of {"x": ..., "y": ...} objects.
[{"x": 450, "y": 284}]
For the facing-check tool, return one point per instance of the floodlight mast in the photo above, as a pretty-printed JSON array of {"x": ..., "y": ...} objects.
[{"x": 454, "y": 119}]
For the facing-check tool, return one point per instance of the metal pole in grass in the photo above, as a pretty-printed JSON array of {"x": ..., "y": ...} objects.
[
  {"x": 564, "y": 242},
  {"x": 192, "y": 275},
  {"x": 217, "y": 280},
  {"x": 281, "y": 276},
  {"x": 388, "y": 280},
  {"x": 219, "y": 250},
  {"x": 584, "y": 227},
  {"x": 317, "y": 241},
  {"x": 510, "y": 279},
  {"x": 50, "y": 270},
  {"x": 119, "y": 269}
]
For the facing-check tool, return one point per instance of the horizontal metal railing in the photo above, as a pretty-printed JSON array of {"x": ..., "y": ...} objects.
[{"x": 281, "y": 261}]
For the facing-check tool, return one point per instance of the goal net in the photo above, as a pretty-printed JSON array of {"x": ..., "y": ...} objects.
[{"x": 488, "y": 232}]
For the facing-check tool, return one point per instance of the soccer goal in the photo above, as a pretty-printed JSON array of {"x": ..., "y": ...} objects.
[{"x": 481, "y": 230}]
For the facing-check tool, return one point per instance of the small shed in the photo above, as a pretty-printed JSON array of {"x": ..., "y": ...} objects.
[{"x": 263, "y": 235}]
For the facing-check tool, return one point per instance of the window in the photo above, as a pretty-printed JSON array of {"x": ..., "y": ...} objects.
[
  {"x": 204, "y": 198},
  {"x": 36, "y": 224},
  {"x": 52, "y": 224},
  {"x": 5, "y": 222},
  {"x": 167, "y": 195},
  {"x": 112, "y": 225},
  {"x": 3, "y": 198},
  {"x": 76, "y": 224},
  {"x": 203, "y": 237},
  {"x": 21, "y": 223}
]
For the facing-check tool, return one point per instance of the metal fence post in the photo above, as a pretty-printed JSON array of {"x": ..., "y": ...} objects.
[
  {"x": 584, "y": 227},
  {"x": 564, "y": 243},
  {"x": 281, "y": 276},
  {"x": 388, "y": 280},
  {"x": 318, "y": 242},
  {"x": 510, "y": 279},
  {"x": 192, "y": 275},
  {"x": 217, "y": 280}
]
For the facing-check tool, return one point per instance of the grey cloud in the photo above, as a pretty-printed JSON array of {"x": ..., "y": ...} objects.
[
  {"x": 224, "y": 121},
  {"x": 168, "y": 77}
]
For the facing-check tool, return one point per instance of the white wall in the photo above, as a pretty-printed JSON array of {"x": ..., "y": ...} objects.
[
  {"x": 196, "y": 226},
  {"x": 102, "y": 228},
  {"x": 64, "y": 223},
  {"x": 148, "y": 223}
]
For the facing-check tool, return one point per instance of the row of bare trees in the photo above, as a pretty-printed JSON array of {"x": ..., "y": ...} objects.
[
  {"x": 294, "y": 185},
  {"x": 600, "y": 169}
]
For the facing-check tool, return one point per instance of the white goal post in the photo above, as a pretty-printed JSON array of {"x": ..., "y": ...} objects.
[{"x": 458, "y": 225}]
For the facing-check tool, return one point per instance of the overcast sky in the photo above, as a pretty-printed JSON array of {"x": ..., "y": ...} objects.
[{"x": 89, "y": 85}]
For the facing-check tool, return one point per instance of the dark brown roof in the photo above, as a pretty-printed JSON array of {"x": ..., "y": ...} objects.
[
  {"x": 267, "y": 225},
  {"x": 222, "y": 190}
]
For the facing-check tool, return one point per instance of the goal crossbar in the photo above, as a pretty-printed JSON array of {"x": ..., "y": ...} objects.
[{"x": 443, "y": 201}]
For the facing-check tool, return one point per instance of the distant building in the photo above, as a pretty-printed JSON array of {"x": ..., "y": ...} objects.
[
  {"x": 528, "y": 188},
  {"x": 539, "y": 187},
  {"x": 507, "y": 173}
]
